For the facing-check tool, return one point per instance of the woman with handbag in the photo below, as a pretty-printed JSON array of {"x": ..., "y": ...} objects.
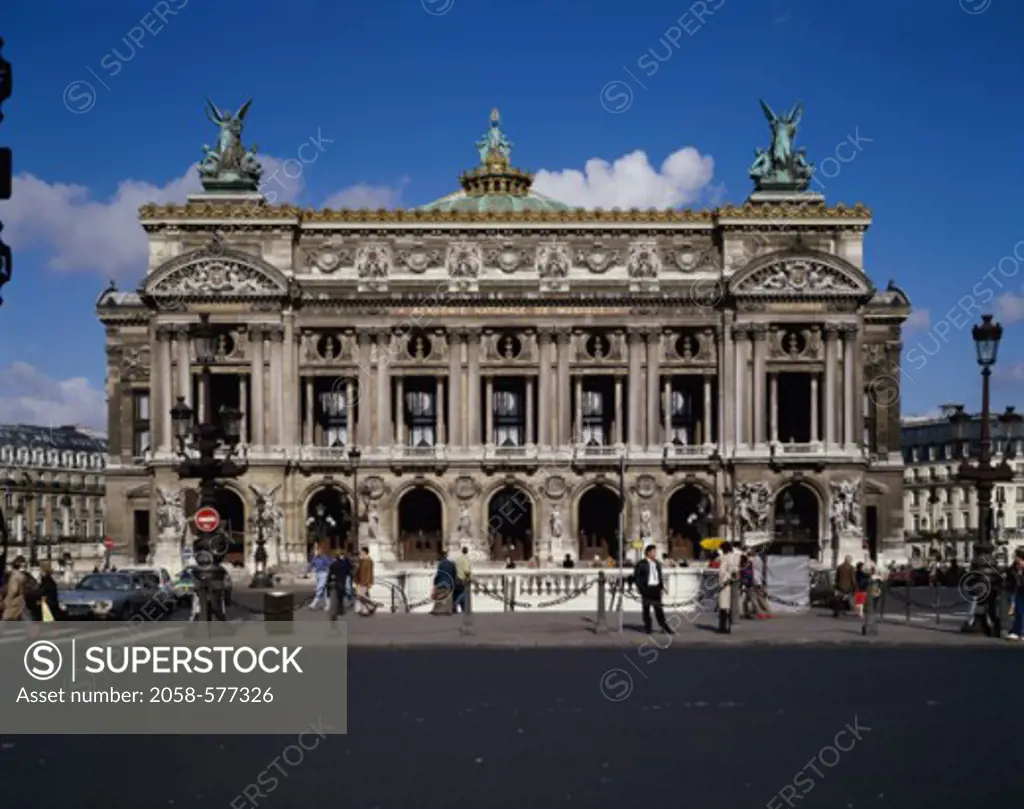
[{"x": 49, "y": 601}]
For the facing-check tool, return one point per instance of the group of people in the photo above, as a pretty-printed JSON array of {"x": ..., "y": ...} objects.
[
  {"x": 854, "y": 585},
  {"x": 24, "y": 598},
  {"x": 451, "y": 583},
  {"x": 341, "y": 579}
]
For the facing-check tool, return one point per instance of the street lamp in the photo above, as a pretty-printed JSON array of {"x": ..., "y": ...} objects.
[
  {"x": 206, "y": 439},
  {"x": 320, "y": 521},
  {"x": 261, "y": 578},
  {"x": 984, "y": 474},
  {"x": 621, "y": 531}
]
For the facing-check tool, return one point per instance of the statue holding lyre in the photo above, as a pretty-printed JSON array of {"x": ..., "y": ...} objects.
[{"x": 229, "y": 165}]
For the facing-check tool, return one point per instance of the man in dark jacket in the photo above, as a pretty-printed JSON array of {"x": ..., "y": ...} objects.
[
  {"x": 650, "y": 582},
  {"x": 337, "y": 582},
  {"x": 444, "y": 584},
  {"x": 1015, "y": 592},
  {"x": 846, "y": 585}
]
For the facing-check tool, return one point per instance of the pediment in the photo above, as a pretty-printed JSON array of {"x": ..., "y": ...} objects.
[
  {"x": 206, "y": 273},
  {"x": 803, "y": 274}
]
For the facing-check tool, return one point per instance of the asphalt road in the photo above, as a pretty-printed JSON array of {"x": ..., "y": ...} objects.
[{"x": 551, "y": 727}]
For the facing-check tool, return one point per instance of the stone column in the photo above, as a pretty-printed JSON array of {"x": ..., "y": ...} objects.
[
  {"x": 472, "y": 432},
  {"x": 384, "y": 425},
  {"x": 289, "y": 383},
  {"x": 529, "y": 411},
  {"x": 653, "y": 385},
  {"x": 366, "y": 382},
  {"x": 166, "y": 399},
  {"x": 635, "y": 340},
  {"x": 350, "y": 412},
  {"x": 184, "y": 366},
  {"x": 774, "y": 406},
  {"x": 308, "y": 433},
  {"x": 454, "y": 388},
  {"x": 258, "y": 380},
  {"x": 400, "y": 410},
  {"x": 243, "y": 398},
  {"x": 724, "y": 382},
  {"x": 277, "y": 383},
  {"x": 201, "y": 392},
  {"x": 741, "y": 343},
  {"x": 814, "y": 408},
  {"x": 831, "y": 395},
  {"x": 489, "y": 411},
  {"x": 620, "y": 420},
  {"x": 709, "y": 437},
  {"x": 667, "y": 407},
  {"x": 858, "y": 387},
  {"x": 545, "y": 392},
  {"x": 759, "y": 344},
  {"x": 565, "y": 437},
  {"x": 439, "y": 428},
  {"x": 849, "y": 388}
]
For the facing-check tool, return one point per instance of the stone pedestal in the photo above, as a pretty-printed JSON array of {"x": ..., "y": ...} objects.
[
  {"x": 167, "y": 553},
  {"x": 851, "y": 544}
]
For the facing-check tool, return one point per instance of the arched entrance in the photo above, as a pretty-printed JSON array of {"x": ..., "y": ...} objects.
[
  {"x": 420, "y": 525},
  {"x": 797, "y": 523},
  {"x": 597, "y": 516},
  {"x": 510, "y": 524},
  {"x": 329, "y": 522},
  {"x": 231, "y": 508},
  {"x": 689, "y": 521}
]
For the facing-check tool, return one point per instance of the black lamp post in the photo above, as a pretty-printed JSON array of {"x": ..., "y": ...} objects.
[
  {"x": 207, "y": 438},
  {"x": 6, "y": 172},
  {"x": 261, "y": 579},
  {"x": 320, "y": 522},
  {"x": 984, "y": 474},
  {"x": 1000, "y": 514}
]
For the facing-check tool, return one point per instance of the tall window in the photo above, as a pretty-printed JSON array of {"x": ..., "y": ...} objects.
[
  {"x": 335, "y": 418},
  {"x": 422, "y": 418},
  {"x": 140, "y": 423},
  {"x": 682, "y": 418},
  {"x": 593, "y": 419},
  {"x": 1020, "y": 494},
  {"x": 508, "y": 419}
]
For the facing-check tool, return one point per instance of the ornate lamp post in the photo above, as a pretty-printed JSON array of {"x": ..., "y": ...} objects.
[
  {"x": 6, "y": 171},
  {"x": 984, "y": 474},
  {"x": 206, "y": 439}
]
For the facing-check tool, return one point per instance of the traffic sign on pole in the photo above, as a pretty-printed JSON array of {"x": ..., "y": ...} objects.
[{"x": 207, "y": 519}]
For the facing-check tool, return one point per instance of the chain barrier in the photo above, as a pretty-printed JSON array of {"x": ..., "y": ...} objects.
[{"x": 899, "y": 594}]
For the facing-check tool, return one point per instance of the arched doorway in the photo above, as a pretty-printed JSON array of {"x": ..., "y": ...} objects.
[
  {"x": 231, "y": 508},
  {"x": 597, "y": 516},
  {"x": 329, "y": 522},
  {"x": 797, "y": 522},
  {"x": 690, "y": 517},
  {"x": 420, "y": 525},
  {"x": 510, "y": 524}
]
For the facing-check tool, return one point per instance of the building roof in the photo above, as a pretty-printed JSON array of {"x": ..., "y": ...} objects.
[{"x": 70, "y": 437}]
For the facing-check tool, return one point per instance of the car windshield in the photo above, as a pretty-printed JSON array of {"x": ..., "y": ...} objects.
[{"x": 105, "y": 581}]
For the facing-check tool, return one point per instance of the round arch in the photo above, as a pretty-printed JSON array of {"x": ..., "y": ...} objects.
[
  {"x": 230, "y": 504},
  {"x": 511, "y": 522},
  {"x": 596, "y": 517},
  {"x": 419, "y": 523},
  {"x": 689, "y": 511},
  {"x": 797, "y": 512},
  {"x": 328, "y": 521}
]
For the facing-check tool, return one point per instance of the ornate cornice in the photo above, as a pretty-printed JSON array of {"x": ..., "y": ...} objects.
[{"x": 248, "y": 214}]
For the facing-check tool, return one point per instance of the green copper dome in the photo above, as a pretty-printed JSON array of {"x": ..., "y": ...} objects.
[{"x": 494, "y": 186}]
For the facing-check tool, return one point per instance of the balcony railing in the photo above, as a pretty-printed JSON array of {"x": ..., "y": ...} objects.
[
  {"x": 429, "y": 454},
  {"x": 689, "y": 450}
]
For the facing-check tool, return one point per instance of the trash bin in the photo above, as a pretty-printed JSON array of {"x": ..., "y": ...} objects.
[{"x": 279, "y": 611}]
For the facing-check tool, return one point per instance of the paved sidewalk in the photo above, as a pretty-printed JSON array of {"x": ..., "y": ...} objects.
[{"x": 523, "y": 630}]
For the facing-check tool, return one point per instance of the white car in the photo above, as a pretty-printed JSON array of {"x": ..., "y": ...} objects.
[{"x": 160, "y": 573}]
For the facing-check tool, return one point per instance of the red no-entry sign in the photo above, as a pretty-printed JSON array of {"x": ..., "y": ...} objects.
[{"x": 207, "y": 519}]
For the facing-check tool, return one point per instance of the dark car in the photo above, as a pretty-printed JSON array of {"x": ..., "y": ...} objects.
[{"x": 109, "y": 596}]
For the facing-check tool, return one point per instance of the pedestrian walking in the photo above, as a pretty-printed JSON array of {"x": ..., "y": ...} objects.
[
  {"x": 18, "y": 593},
  {"x": 747, "y": 587},
  {"x": 872, "y": 600},
  {"x": 1015, "y": 592},
  {"x": 338, "y": 582},
  {"x": 649, "y": 578},
  {"x": 443, "y": 588},
  {"x": 728, "y": 577},
  {"x": 364, "y": 583},
  {"x": 49, "y": 597},
  {"x": 320, "y": 566},
  {"x": 846, "y": 584},
  {"x": 463, "y": 570},
  {"x": 861, "y": 579}
]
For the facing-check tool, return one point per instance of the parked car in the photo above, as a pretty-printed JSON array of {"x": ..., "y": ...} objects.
[
  {"x": 111, "y": 596},
  {"x": 163, "y": 578},
  {"x": 822, "y": 588}
]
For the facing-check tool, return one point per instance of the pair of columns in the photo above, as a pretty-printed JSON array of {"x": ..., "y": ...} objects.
[
  {"x": 172, "y": 377},
  {"x": 756, "y": 424}
]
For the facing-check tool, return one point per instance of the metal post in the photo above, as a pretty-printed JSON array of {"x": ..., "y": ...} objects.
[
  {"x": 467, "y": 611},
  {"x": 907, "y": 587},
  {"x": 602, "y": 616},
  {"x": 622, "y": 538}
]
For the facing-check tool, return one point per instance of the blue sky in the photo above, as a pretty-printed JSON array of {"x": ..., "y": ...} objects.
[{"x": 397, "y": 91}]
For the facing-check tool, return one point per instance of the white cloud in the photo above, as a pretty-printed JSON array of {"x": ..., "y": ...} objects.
[
  {"x": 30, "y": 397},
  {"x": 1011, "y": 372},
  {"x": 1010, "y": 307},
  {"x": 631, "y": 181},
  {"x": 83, "y": 234},
  {"x": 367, "y": 196},
  {"x": 919, "y": 320}
]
